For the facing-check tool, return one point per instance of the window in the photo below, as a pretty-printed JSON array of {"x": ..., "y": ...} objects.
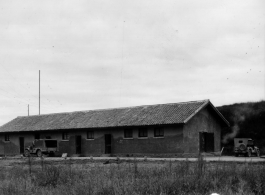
[
  {"x": 128, "y": 133},
  {"x": 250, "y": 142},
  {"x": 142, "y": 132},
  {"x": 158, "y": 132},
  {"x": 65, "y": 136},
  {"x": 7, "y": 137},
  {"x": 90, "y": 135}
]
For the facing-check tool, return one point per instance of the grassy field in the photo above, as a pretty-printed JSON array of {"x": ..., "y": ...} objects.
[{"x": 73, "y": 177}]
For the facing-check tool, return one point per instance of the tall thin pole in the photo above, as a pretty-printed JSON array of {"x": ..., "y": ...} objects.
[
  {"x": 39, "y": 92},
  {"x": 28, "y": 109}
]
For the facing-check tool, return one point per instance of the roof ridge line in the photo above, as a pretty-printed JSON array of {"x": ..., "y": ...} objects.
[{"x": 205, "y": 100}]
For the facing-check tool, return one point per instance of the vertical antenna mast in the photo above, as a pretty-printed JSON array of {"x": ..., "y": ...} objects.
[{"x": 39, "y": 92}]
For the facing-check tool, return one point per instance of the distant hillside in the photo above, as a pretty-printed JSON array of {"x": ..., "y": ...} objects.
[{"x": 246, "y": 120}]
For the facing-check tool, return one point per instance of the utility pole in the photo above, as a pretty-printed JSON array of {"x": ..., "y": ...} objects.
[{"x": 39, "y": 92}]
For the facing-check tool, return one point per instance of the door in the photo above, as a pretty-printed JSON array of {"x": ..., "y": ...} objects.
[
  {"x": 206, "y": 142},
  {"x": 78, "y": 144},
  {"x": 21, "y": 145},
  {"x": 209, "y": 142},
  {"x": 107, "y": 143},
  {"x": 202, "y": 141}
]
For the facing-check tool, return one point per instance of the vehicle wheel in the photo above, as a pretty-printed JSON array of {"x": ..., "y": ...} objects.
[
  {"x": 26, "y": 153},
  {"x": 258, "y": 153},
  {"x": 249, "y": 153},
  {"x": 39, "y": 153},
  {"x": 242, "y": 147}
]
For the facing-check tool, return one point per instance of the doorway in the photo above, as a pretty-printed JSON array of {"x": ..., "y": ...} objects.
[
  {"x": 209, "y": 142},
  {"x": 78, "y": 144},
  {"x": 107, "y": 143},
  {"x": 206, "y": 142},
  {"x": 21, "y": 145}
]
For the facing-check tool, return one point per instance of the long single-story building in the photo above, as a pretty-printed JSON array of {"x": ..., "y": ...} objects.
[{"x": 171, "y": 129}]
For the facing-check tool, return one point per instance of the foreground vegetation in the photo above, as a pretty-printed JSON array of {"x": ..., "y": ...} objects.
[{"x": 131, "y": 177}]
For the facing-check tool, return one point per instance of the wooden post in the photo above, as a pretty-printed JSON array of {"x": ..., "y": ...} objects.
[{"x": 39, "y": 92}]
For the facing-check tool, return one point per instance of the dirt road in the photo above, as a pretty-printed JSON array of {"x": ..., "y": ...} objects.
[
  {"x": 208, "y": 159},
  {"x": 17, "y": 160}
]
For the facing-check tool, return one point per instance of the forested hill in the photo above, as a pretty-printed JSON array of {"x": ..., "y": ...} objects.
[{"x": 246, "y": 120}]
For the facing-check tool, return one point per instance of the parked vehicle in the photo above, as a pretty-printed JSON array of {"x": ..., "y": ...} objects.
[
  {"x": 42, "y": 146},
  {"x": 246, "y": 147}
]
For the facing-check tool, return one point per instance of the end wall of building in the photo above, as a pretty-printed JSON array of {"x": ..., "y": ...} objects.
[{"x": 205, "y": 121}]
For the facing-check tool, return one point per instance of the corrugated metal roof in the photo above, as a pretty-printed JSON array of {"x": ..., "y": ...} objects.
[{"x": 174, "y": 113}]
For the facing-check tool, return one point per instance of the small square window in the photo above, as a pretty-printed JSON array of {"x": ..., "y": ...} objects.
[
  {"x": 90, "y": 135},
  {"x": 143, "y": 132},
  {"x": 65, "y": 136},
  {"x": 7, "y": 137},
  {"x": 158, "y": 132},
  {"x": 128, "y": 133}
]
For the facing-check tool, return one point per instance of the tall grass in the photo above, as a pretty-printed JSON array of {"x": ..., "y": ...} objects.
[{"x": 132, "y": 177}]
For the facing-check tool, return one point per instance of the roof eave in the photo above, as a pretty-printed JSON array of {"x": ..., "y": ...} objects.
[{"x": 217, "y": 111}]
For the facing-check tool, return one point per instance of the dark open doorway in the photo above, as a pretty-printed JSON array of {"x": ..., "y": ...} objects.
[
  {"x": 206, "y": 142},
  {"x": 107, "y": 143},
  {"x": 78, "y": 144},
  {"x": 21, "y": 145},
  {"x": 37, "y": 136},
  {"x": 209, "y": 142}
]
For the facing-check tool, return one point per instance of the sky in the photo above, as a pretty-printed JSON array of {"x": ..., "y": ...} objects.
[{"x": 109, "y": 54}]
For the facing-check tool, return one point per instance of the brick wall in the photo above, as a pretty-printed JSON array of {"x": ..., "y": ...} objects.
[
  {"x": 12, "y": 147},
  {"x": 171, "y": 143}
]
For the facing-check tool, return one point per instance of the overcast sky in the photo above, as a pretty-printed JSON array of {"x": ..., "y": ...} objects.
[{"x": 107, "y": 54}]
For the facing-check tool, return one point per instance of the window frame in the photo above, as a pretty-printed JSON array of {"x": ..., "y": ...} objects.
[
  {"x": 90, "y": 133},
  {"x": 142, "y": 133},
  {"x": 7, "y": 137},
  {"x": 65, "y": 136},
  {"x": 127, "y": 132},
  {"x": 159, "y": 132}
]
